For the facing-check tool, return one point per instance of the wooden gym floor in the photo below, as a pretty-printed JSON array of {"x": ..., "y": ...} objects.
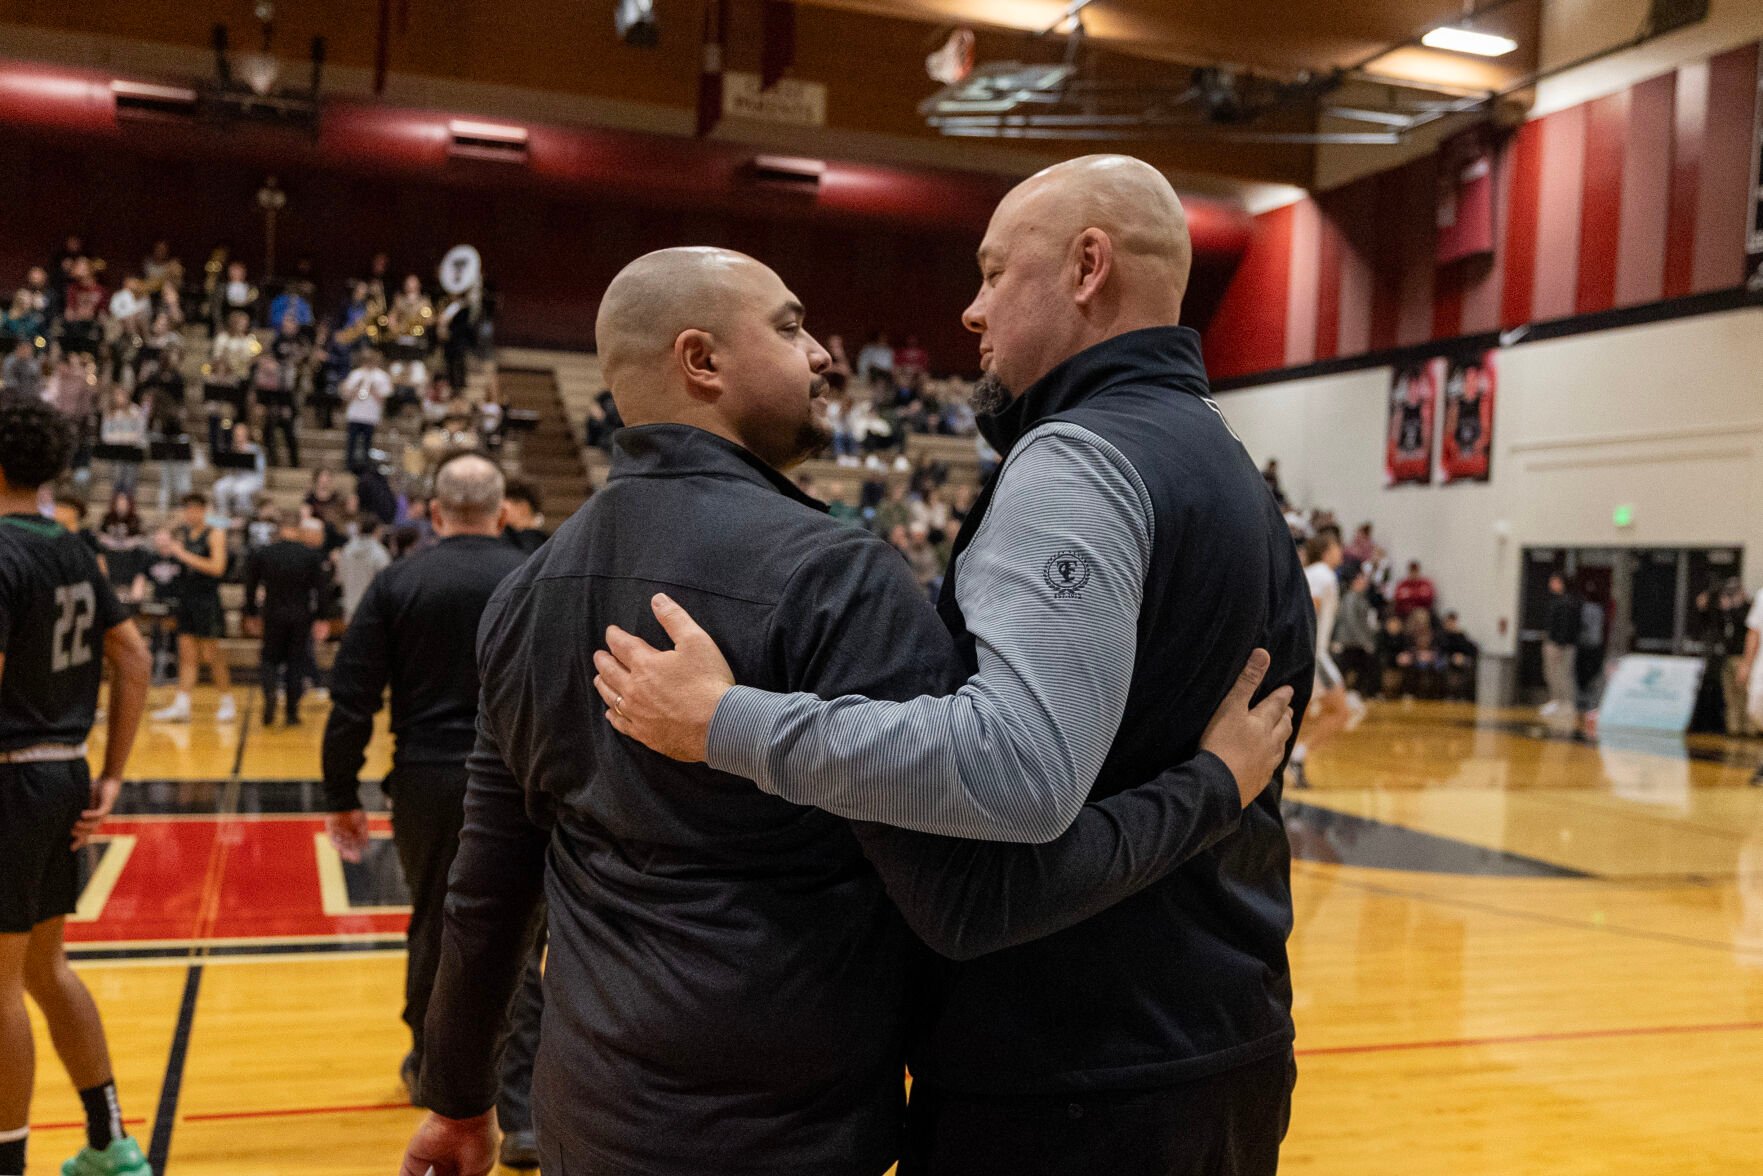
[{"x": 1514, "y": 953}]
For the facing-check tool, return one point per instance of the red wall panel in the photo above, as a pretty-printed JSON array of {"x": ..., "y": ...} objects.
[
  {"x": 1248, "y": 334},
  {"x": 1689, "y": 125},
  {"x": 1600, "y": 202},
  {"x": 1521, "y": 225},
  {"x": 1646, "y": 191},
  {"x": 1723, "y": 204}
]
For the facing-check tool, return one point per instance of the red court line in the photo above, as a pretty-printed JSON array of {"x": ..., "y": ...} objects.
[
  {"x": 291, "y": 1111},
  {"x": 1529, "y": 1038},
  {"x": 80, "y": 1123}
]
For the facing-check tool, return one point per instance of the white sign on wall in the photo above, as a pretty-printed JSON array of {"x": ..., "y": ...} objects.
[{"x": 796, "y": 103}]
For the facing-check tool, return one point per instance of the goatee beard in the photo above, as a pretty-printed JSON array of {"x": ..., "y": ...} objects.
[{"x": 990, "y": 395}]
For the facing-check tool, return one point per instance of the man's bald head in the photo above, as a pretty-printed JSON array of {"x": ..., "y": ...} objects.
[
  {"x": 711, "y": 338},
  {"x": 656, "y": 298},
  {"x": 1076, "y": 254},
  {"x": 1126, "y": 198},
  {"x": 468, "y": 495}
]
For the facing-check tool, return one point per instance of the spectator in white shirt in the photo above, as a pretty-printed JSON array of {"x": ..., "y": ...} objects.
[
  {"x": 365, "y": 393},
  {"x": 124, "y": 423},
  {"x": 235, "y": 492}
]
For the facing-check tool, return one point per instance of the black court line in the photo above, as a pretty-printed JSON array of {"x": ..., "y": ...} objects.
[
  {"x": 165, "y": 1118},
  {"x": 237, "y": 950}
]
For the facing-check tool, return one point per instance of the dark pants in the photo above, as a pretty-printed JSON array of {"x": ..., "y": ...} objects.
[
  {"x": 281, "y": 419},
  {"x": 456, "y": 368},
  {"x": 428, "y": 810},
  {"x": 358, "y": 445},
  {"x": 1359, "y": 668},
  {"x": 284, "y": 657},
  {"x": 1229, "y": 1124}
]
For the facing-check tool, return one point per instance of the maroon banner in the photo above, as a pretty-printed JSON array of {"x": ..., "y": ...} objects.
[
  {"x": 1466, "y": 454},
  {"x": 1414, "y": 395}
]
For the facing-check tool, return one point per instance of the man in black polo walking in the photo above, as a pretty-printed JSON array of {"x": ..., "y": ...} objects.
[{"x": 292, "y": 579}]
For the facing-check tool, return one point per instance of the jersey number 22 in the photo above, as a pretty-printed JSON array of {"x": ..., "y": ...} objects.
[{"x": 73, "y": 629}]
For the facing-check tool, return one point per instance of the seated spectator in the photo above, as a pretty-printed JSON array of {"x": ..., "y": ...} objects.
[
  {"x": 1363, "y": 550},
  {"x": 1355, "y": 637},
  {"x": 265, "y": 527},
  {"x": 236, "y": 491},
  {"x": 165, "y": 414},
  {"x": 913, "y": 542},
  {"x": 159, "y": 270},
  {"x": 359, "y": 560},
  {"x": 324, "y": 501},
  {"x": 293, "y": 302},
  {"x": 27, "y": 316},
  {"x": 124, "y": 423},
  {"x": 82, "y": 309},
  {"x": 410, "y": 319},
  {"x": 843, "y": 511},
  {"x": 72, "y": 389},
  {"x": 274, "y": 381},
  {"x": 524, "y": 521},
  {"x": 171, "y": 305},
  {"x": 22, "y": 374},
  {"x": 875, "y": 362},
  {"x": 236, "y": 295},
  {"x": 838, "y": 421},
  {"x": 838, "y": 371},
  {"x": 1414, "y": 592},
  {"x": 911, "y": 362},
  {"x": 1424, "y": 664},
  {"x": 1460, "y": 653},
  {"x": 1392, "y": 655},
  {"x": 892, "y": 511},
  {"x": 121, "y": 524},
  {"x": 411, "y": 383},
  {"x": 374, "y": 494},
  {"x": 226, "y": 377}
]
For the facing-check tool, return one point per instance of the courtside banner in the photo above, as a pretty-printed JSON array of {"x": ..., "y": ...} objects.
[
  {"x": 1466, "y": 449},
  {"x": 1414, "y": 396}
]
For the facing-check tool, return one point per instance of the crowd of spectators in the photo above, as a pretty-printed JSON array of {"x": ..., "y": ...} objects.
[
  {"x": 1390, "y": 638},
  {"x": 126, "y": 360},
  {"x": 114, "y": 362}
]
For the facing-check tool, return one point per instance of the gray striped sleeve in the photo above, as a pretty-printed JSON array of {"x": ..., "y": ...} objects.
[{"x": 1050, "y": 587}]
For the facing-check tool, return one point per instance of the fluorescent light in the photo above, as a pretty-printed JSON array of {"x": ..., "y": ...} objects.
[
  {"x": 1468, "y": 41},
  {"x": 491, "y": 132},
  {"x": 151, "y": 93}
]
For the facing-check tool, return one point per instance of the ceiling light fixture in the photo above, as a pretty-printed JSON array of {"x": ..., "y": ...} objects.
[{"x": 1462, "y": 40}]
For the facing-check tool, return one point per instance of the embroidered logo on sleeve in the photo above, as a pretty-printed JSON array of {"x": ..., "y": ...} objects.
[{"x": 1066, "y": 574}]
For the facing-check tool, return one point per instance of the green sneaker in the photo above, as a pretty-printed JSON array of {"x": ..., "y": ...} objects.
[{"x": 122, "y": 1158}]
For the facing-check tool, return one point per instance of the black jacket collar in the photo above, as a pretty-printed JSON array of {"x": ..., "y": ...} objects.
[
  {"x": 683, "y": 451},
  {"x": 1165, "y": 356}
]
